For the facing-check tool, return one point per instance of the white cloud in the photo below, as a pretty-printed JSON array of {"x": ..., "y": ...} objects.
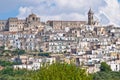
[
  {"x": 107, "y": 11},
  {"x": 112, "y": 11},
  {"x": 24, "y": 11},
  {"x": 72, "y": 17}
]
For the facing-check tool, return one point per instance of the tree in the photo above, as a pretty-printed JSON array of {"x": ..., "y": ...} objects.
[
  {"x": 60, "y": 71},
  {"x": 2, "y": 47},
  {"x": 5, "y": 63},
  {"x": 111, "y": 75},
  {"x": 10, "y": 74},
  {"x": 18, "y": 52},
  {"x": 44, "y": 54},
  {"x": 105, "y": 67}
]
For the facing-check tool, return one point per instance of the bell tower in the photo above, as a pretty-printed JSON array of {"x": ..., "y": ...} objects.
[{"x": 90, "y": 17}]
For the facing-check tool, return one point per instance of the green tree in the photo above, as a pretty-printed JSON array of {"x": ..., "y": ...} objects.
[
  {"x": 2, "y": 47},
  {"x": 60, "y": 71},
  {"x": 111, "y": 75},
  {"x": 10, "y": 74},
  {"x": 5, "y": 63},
  {"x": 18, "y": 52},
  {"x": 105, "y": 67}
]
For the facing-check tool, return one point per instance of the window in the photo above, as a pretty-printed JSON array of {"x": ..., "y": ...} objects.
[
  {"x": 63, "y": 34},
  {"x": 33, "y": 18}
]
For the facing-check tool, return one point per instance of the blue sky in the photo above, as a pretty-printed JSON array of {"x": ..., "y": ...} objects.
[{"x": 106, "y": 11}]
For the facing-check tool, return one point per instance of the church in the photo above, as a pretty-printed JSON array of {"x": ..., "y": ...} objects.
[
  {"x": 13, "y": 24},
  {"x": 32, "y": 22}
]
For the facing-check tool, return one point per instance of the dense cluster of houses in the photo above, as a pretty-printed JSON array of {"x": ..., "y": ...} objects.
[
  {"x": 89, "y": 45},
  {"x": 84, "y": 43}
]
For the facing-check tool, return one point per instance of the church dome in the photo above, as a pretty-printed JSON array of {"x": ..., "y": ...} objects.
[{"x": 32, "y": 15}]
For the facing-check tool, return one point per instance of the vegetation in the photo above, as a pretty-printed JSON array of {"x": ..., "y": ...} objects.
[
  {"x": 5, "y": 63},
  {"x": 44, "y": 54},
  {"x": 10, "y": 74},
  {"x": 10, "y": 53},
  {"x": 6, "y": 53},
  {"x": 105, "y": 67},
  {"x": 57, "y": 71},
  {"x": 106, "y": 73},
  {"x": 2, "y": 47},
  {"x": 60, "y": 71},
  {"x": 18, "y": 52},
  {"x": 111, "y": 75}
]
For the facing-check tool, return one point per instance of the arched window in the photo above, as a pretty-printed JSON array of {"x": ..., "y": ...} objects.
[{"x": 33, "y": 18}]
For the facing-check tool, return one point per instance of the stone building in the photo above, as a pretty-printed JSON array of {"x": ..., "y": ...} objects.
[
  {"x": 90, "y": 17},
  {"x": 61, "y": 25},
  {"x": 14, "y": 24},
  {"x": 3, "y": 25}
]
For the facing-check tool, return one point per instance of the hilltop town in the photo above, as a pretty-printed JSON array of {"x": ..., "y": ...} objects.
[{"x": 84, "y": 43}]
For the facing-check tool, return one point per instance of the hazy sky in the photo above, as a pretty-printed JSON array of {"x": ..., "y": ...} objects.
[{"x": 106, "y": 11}]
